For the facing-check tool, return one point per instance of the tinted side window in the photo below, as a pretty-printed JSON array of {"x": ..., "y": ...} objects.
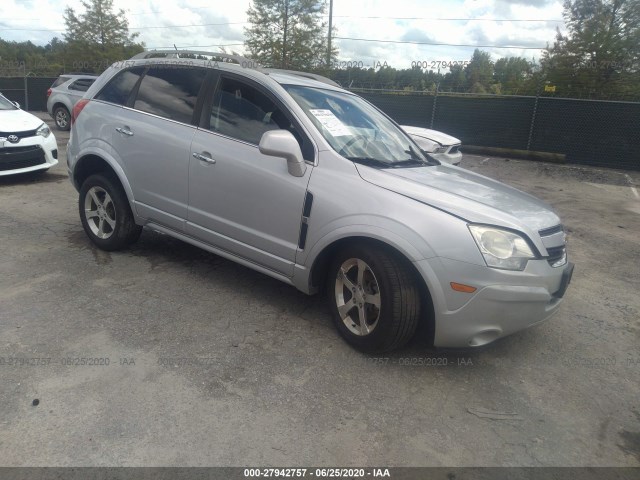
[
  {"x": 240, "y": 111},
  {"x": 119, "y": 87},
  {"x": 59, "y": 81},
  {"x": 81, "y": 85},
  {"x": 170, "y": 92}
]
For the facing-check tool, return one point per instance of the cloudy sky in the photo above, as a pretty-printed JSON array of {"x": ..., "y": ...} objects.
[{"x": 462, "y": 24}]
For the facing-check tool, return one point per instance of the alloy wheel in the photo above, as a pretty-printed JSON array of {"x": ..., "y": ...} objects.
[
  {"x": 357, "y": 296},
  {"x": 62, "y": 118},
  {"x": 100, "y": 212}
]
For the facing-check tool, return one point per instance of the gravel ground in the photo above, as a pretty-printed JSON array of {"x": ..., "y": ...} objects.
[{"x": 210, "y": 363}]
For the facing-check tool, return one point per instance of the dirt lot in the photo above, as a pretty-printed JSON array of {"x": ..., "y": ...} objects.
[{"x": 210, "y": 363}]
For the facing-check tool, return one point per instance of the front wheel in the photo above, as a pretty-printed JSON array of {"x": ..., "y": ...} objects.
[
  {"x": 105, "y": 213},
  {"x": 374, "y": 299}
]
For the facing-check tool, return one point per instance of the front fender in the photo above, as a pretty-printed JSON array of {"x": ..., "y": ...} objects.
[{"x": 408, "y": 243}]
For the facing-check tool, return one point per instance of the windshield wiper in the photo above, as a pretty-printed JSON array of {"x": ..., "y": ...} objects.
[
  {"x": 374, "y": 162},
  {"x": 371, "y": 162},
  {"x": 430, "y": 160},
  {"x": 409, "y": 162}
]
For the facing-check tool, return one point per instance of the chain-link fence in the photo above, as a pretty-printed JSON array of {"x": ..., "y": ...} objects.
[
  {"x": 30, "y": 92},
  {"x": 591, "y": 132}
]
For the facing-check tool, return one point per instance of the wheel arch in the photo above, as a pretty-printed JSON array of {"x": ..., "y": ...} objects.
[
  {"x": 59, "y": 103},
  {"x": 91, "y": 164},
  {"x": 320, "y": 266}
]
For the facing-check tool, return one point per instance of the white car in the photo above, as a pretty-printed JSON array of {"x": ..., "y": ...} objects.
[
  {"x": 441, "y": 146},
  {"x": 26, "y": 142}
]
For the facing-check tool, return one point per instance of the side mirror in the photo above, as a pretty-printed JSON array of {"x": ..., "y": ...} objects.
[
  {"x": 16, "y": 104},
  {"x": 282, "y": 143}
]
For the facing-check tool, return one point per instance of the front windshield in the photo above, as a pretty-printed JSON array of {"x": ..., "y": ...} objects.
[
  {"x": 355, "y": 129},
  {"x": 6, "y": 104}
]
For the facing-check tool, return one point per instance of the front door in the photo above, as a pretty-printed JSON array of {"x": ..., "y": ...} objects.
[{"x": 239, "y": 199}]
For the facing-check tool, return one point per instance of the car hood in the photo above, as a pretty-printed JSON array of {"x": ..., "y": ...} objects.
[
  {"x": 467, "y": 195},
  {"x": 18, "y": 121},
  {"x": 441, "y": 138}
]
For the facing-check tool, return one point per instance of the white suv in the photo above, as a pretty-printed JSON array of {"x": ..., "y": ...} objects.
[
  {"x": 289, "y": 174},
  {"x": 64, "y": 94}
]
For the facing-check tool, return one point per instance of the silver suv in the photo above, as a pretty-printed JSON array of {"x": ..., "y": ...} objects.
[
  {"x": 64, "y": 94},
  {"x": 286, "y": 173}
]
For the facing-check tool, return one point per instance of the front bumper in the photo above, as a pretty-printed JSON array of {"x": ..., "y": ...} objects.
[
  {"x": 451, "y": 158},
  {"x": 30, "y": 154},
  {"x": 505, "y": 302}
]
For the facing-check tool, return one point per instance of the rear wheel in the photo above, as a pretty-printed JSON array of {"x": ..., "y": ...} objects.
[
  {"x": 62, "y": 118},
  {"x": 374, "y": 298},
  {"x": 105, "y": 213}
]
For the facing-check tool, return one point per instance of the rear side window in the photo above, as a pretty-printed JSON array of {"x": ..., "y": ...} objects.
[
  {"x": 59, "y": 81},
  {"x": 119, "y": 87},
  {"x": 170, "y": 92},
  {"x": 82, "y": 85}
]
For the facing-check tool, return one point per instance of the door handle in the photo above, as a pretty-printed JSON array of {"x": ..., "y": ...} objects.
[
  {"x": 125, "y": 131},
  {"x": 203, "y": 158}
]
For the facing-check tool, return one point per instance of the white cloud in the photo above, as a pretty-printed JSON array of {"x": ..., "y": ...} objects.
[{"x": 23, "y": 20}]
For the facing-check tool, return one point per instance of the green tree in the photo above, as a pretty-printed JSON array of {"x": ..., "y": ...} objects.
[
  {"x": 288, "y": 33},
  {"x": 411, "y": 78},
  {"x": 26, "y": 58},
  {"x": 599, "y": 56},
  {"x": 100, "y": 35},
  {"x": 511, "y": 75},
  {"x": 479, "y": 72}
]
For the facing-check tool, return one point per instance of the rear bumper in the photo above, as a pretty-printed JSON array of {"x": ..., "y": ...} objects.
[
  {"x": 28, "y": 155},
  {"x": 505, "y": 302}
]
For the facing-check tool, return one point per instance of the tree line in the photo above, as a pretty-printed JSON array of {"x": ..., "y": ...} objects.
[
  {"x": 93, "y": 40},
  {"x": 598, "y": 56}
]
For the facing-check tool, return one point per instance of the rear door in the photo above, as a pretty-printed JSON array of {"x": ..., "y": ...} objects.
[
  {"x": 239, "y": 199},
  {"x": 153, "y": 139}
]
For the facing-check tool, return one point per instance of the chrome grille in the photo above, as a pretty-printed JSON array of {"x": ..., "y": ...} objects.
[
  {"x": 547, "y": 232},
  {"x": 556, "y": 254},
  {"x": 20, "y": 135}
]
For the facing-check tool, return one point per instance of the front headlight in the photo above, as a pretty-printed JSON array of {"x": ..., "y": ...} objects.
[
  {"x": 441, "y": 150},
  {"x": 43, "y": 131},
  {"x": 502, "y": 248}
]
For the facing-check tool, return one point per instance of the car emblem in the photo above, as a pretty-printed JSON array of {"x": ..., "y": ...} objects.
[{"x": 13, "y": 138}]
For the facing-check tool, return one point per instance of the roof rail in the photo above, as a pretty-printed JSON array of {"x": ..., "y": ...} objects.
[
  {"x": 173, "y": 53},
  {"x": 85, "y": 74},
  {"x": 312, "y": 76},
  {"x": 225, "y": 57}
]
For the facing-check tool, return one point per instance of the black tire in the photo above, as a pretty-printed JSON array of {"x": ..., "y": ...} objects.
[
  {"x": 398, "y": 313},
  {"x": 117, "y": 210},
  {"x": 62, "y": 118}
]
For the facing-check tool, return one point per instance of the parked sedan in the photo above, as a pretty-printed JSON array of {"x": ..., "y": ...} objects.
[
  {"x": 26, "y": 143},
  {"x": 441, "y": 146}
]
